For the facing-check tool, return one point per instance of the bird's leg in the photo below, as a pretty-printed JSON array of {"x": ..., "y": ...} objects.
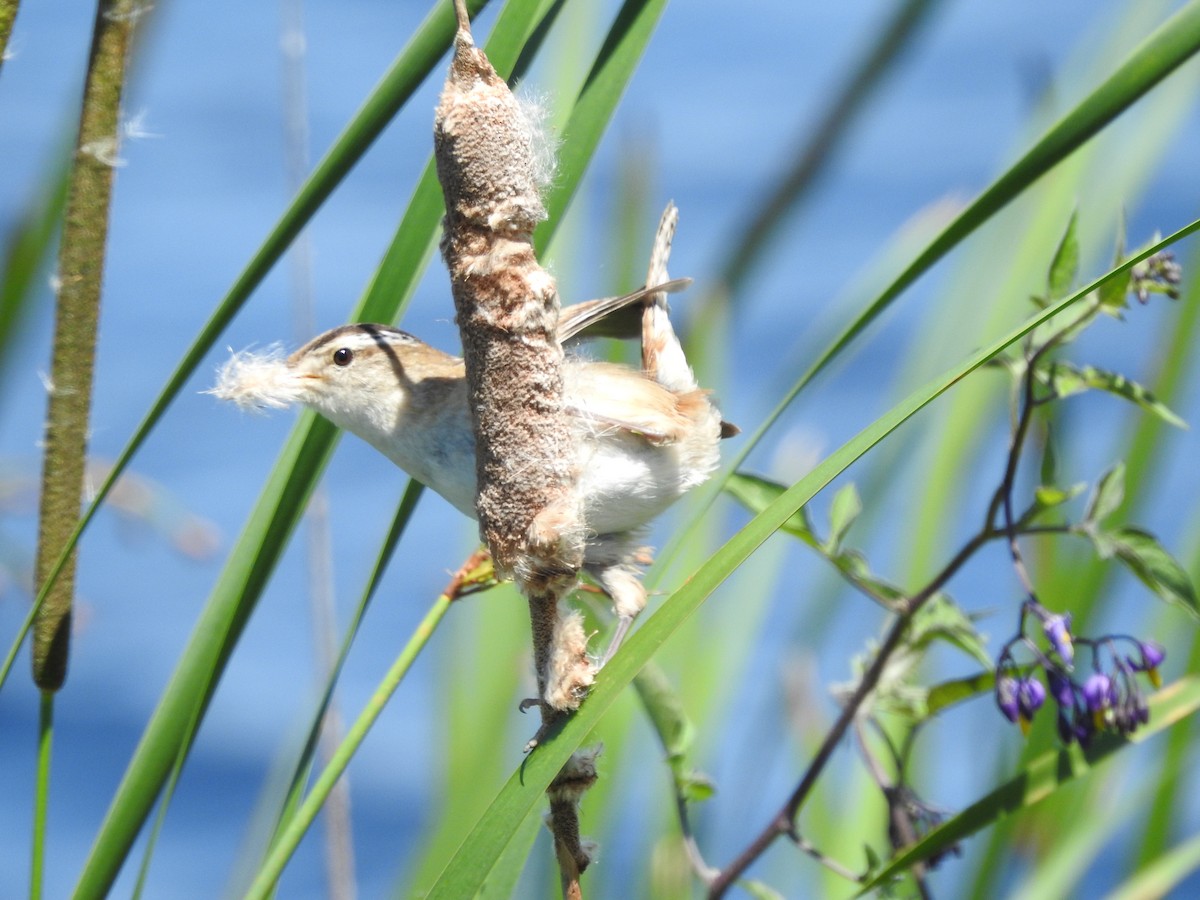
[
  {"x": 623, "y": 625},
  {"x": 619, "y": 575}
]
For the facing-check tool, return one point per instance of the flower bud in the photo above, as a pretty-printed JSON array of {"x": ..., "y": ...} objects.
[
  {"x": 1006, "y": 698},
  {"x": 1058, "y": 632},
  {"x": 1030, "y": 697},
  {"x": 1061, "y": 688},
  {"x": 1152, "y": 656}
]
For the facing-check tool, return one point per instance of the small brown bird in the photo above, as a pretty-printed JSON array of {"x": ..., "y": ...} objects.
[{"x": 644, "y": 437}]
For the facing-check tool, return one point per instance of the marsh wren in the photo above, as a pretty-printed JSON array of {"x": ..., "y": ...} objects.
[{"x": 644, "y": 438}]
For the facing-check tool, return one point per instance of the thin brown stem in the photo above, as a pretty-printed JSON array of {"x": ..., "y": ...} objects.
[
  {"x": 783, "y": 822},
  {"x": 700, "y": 866},
  {"x": 828, "y": 862},
  {"x": 901, "y": 830}
]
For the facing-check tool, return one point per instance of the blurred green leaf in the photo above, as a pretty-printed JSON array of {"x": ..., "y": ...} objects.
[
  {"x": 1047, "y": 497},
  {"x": 665, "y": 709},
  {"x": 941, "y": 619},
  {"x": 1164, "y": 875},
  {"x": 1141, "y": 552},
  {"x": 26, "y": 253},
  {"x": 948, "y": 693},
  {"x": 756, "y": 494},
  {"x": 843, "y": 511},
  {"x": 697, "y": 787},
  {"x": 1065, "y": 265},
  {"x": 1066, "y": 379},
  {"x": 1108, "y": 496}
]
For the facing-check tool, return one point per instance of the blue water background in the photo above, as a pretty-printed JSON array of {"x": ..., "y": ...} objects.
[{"x": 723, "y": 93}]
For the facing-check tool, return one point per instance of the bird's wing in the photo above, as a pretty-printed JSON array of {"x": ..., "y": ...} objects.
[
  {"x": 597, "y": 318},
  {"x": 615, "y": 397}
]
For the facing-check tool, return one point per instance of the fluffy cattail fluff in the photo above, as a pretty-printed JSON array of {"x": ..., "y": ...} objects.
[
  {"x": 257, "y": 381},
  {"x": 535, "y": 110},
  {"x": 570, "y": 674}
]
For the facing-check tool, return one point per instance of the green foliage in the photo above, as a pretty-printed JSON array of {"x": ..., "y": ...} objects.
[
  {"x": 1065, "y": 380},
  {"x": 1141, "y": 552},
  {"x": 680, "y": 684},
  {"x": 1045, "y": 775}
]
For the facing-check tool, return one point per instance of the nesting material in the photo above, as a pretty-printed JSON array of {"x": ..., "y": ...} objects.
[{"x": 257, "y": 381}]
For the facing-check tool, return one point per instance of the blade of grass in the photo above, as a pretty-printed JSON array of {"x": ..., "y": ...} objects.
[
  {"x": 272, "y": 521},
  {"x": 1168, "y": 47},
  {"x": 490, "y": 835},
  {"x": 41, "y": 803},
  {"x": 26, "y": 253},
  {"x": 1163, "y": 875},
  {"x": 304, "y": 764},
  {"x": 246, "y": 573},
  {"x": 898, "y": 34},
  {"x": 616, "y": 60},
  {"x": 296, "y": 826},
  {"x": 1163, "y": 51},
  {"x": 398, "y": 84}
]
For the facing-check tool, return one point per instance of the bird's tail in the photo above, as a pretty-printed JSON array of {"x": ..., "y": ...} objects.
[{"x": 662, "y": 354}]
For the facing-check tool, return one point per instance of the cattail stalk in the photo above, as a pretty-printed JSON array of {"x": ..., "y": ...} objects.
[
  {"x": 507, "y": 312},
  {"x": 80, "y": 271}
]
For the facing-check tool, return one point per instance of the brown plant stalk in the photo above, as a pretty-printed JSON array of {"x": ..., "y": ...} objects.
[
  {"x": 507, "y": 313},
  {"x": 80, "y": 271}
]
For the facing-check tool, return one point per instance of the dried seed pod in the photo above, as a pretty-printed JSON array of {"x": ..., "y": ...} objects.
[{"x": 507, "y": 313}]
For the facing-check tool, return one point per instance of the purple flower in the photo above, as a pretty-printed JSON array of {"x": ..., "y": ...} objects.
[
  {"x": 1100, "y": 697},
  {"x": 1019, "y": 699},
  {"x": 1152, "y": 656},
  {"x": 1006, "y": 698},
  {"x": 1030, "y": 697},
  {"x": 1061, "y": 688},
  {"x": 1058, "y": 632},
  {"x": 1098, "y": 692}
]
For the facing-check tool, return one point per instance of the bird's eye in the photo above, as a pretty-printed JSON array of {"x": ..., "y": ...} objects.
[{"x": 343, "y": 356}]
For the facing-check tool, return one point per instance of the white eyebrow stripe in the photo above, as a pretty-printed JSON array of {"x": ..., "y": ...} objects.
[{"x": 359, "y": 337}]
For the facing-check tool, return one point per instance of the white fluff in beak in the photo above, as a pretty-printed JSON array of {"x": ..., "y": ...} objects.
[{"x": 258, "y": 380}]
